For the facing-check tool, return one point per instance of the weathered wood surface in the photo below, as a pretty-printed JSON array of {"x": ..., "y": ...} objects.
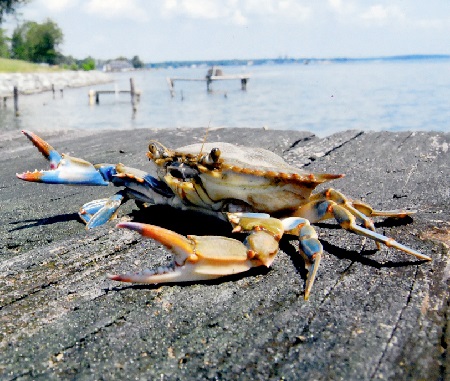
[{"x": 372, "y": 315}]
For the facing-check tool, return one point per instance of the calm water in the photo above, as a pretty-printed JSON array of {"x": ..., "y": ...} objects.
[{"x": 323, "y": 98}]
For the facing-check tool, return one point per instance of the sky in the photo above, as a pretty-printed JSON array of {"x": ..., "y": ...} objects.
[{"x": 178, "y": 30}]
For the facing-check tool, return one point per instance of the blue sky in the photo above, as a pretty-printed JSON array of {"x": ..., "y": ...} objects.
[{"x": 161, "y": 30}]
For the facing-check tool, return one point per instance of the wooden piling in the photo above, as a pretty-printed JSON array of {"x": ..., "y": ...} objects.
[
  {"x": 91, "y": 95},
  {"x": 133, "y": 95},
  {"x": 16, "y": 100},
  {"x": 171, "y": 88},
  {"x": 244, "y": 84}
]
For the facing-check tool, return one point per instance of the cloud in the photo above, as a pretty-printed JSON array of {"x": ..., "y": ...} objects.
[
  {"x": 341, "y": 7},
  {"x": 55, "y": 6},
  {"x": 129, "y": 9},
  {"x": 196, "y": 9},
  {"x": 238, "y": 12},
  {"x": 380, "y": 14}
]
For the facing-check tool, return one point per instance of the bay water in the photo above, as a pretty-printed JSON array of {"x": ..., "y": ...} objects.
[{"x": 324, "y": 98}]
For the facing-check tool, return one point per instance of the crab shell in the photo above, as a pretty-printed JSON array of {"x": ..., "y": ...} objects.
[{"x": 236, "y": 178}]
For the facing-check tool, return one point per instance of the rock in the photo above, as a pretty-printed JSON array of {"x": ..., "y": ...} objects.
[{"x": 38, "y": 82}]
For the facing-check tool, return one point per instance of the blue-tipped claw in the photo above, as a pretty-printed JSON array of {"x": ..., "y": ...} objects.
[{"x": 63, "y": 168}]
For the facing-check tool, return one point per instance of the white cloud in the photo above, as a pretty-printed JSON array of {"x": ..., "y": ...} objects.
[
  {"x": 380, "y": 14},
  {"x": 55, "y": 6},
  {"x": 292, "y": 9},
  {"x": 236, "y": 11},
  {"x": 130, "y": 9},
  {"x": 196, "y": 9},
  {"x": 342, "y": 7},
  {"x": 238, "y": 18}
]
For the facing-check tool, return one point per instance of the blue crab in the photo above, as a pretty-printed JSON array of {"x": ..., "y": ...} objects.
[{"x": 254, "y": 189}]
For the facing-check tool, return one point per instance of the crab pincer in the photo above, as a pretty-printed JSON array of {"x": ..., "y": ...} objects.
[
  {"x": 64, "y": 169},
  {"x": 194, "y": 257}
]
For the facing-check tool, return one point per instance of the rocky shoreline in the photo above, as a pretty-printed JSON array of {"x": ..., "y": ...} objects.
[{"x": 29, "y": 83}]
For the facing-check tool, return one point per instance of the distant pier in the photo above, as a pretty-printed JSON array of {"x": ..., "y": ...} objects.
[
  {"x": 94, "y": 95},
  {"x": 214, "y": 74}
]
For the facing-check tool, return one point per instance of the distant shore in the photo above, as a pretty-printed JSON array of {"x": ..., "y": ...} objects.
[{"x": 29, "y": 83}]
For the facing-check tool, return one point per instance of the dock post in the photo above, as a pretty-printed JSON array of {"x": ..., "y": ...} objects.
[
  {"x": 97, "y": 98},
  {"x": 91, "y": 95},
  {"x": 208, "y": 84},
  {"x": 133, "y": 95},
  {"x": 244, "y": 84},
  {"x": 171, "y": 88},
  {"x": 53, "y": 90},
  {"x": 16, "y": 100}
]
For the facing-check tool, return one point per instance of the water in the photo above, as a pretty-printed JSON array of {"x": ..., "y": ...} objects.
[{"x": 322, "y": 98}]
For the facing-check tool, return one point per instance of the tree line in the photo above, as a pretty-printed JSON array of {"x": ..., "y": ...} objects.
[{"x": 40, "y": 42}]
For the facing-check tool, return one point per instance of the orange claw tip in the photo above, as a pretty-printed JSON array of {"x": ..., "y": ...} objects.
[
  {"x": 178, "y": 244},
  {"x": 29, "y": 176},
  {"x": 119, "y": 278}
]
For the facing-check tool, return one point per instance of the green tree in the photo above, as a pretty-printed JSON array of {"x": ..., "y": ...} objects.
[
  {"x": 19, "y": 49},
  {"x": 137, "y": 63},
  {"x": 4, "y": 44},
  {"x": 88, "y": 64},
  {"x": 9, "y": 7},
  {"x": 37, "y": 42}
]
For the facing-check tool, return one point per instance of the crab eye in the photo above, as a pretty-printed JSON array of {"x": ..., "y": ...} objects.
[
  {"x": 215, "y": 154},
  {"x": 212, "y": 158},
  {"x": 154, "y": 152},
  {"x": 152, "y": 148}
]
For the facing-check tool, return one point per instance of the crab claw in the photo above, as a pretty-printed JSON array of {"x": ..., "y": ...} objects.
[
  {"x": 195, "y": 257},
  {"x": 63, "y": 168},
  {"x": 44, "y": 148}
]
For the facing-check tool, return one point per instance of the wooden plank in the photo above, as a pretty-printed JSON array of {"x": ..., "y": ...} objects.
[{"x": 372, "y": 315}]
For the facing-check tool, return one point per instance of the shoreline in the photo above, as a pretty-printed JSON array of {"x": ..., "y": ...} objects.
[{"x": 32, "y": 83}]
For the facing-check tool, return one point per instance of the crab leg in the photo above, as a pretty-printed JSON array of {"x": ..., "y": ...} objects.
[
  {"x": 359, "y": 209},
  {"x": 68, "y": 170},
  {"x": 209, "y": 257},
  {"x": 321, "y": 210},
  {"x": 309, "y": 247},
  {"x": 195, "y": 257},
  {"x": 98, "y": 212}
]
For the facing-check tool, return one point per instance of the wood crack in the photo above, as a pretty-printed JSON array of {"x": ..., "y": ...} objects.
[{"x": 396, "y": 326}]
